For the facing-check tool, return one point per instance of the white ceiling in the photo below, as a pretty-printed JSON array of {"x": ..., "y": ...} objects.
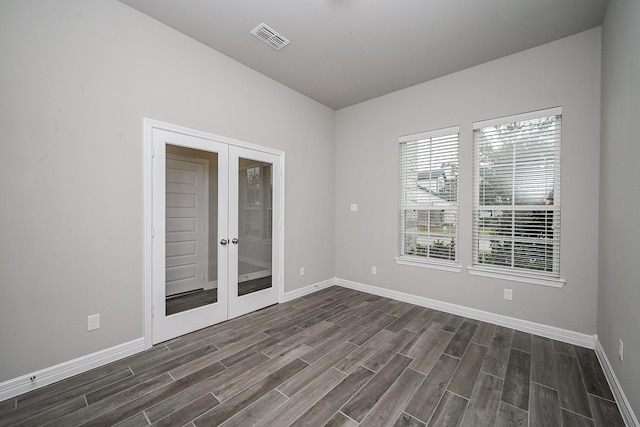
[{"x": 346, "y": 51}]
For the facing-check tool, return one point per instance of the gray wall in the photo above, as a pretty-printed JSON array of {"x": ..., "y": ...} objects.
[
  {"x": 76, "y": 80},
  {"x": 619, "y": 292},
  {"x": 563, "y": 73}
]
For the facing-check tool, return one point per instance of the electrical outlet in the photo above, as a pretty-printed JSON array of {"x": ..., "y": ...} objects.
[
  {"x": 508, "y": 294},
  {"x": 93, "y": 322},
  {"x": 374, "y": 269},
  {"x": 354, "y": 207},
  {"x": 620, "y": 350},
  {"x": 302, "y": 271}
]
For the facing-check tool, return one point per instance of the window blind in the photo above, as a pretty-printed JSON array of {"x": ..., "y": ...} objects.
[
  {"x": 429, "y": 195},
  {"x": 516, "y": 215}
]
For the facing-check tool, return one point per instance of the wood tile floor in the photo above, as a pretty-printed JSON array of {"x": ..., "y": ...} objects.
[{"x": 336, "y": 358}]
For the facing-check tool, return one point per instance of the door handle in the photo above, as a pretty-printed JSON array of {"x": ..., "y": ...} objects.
[
  {"x": 235, "y": 241},
  {"x": 223, "y": 242}
]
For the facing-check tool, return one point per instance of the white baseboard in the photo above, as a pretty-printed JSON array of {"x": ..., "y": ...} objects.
[
  {"x": 571, "y": 337},
  {"x": 314, "y": 287},
  {"x": 621, "y": 399},
  {"x": 43, "y": 377}
]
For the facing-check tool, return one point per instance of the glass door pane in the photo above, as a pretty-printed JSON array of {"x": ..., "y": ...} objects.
[
  {"x": 190, "y": 218},
  {"x": 191, "y": 229},
  {"x": 255, "y": 226},
  {"x": 254, "y": 215}
]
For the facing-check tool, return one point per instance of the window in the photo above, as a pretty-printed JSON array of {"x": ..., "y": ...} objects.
[
  {"x": 256, "y": 201},
  {"x": 516, "y": 212},
  {"x": 429, "y": 197}
]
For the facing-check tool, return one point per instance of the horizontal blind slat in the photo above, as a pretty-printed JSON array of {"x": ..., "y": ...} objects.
[
  {"x": 516, "y": 218},
  {"x": 428, "y": 195}
]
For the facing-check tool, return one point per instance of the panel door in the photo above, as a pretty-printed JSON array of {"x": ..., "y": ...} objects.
[{"x": 186, "y": 225}]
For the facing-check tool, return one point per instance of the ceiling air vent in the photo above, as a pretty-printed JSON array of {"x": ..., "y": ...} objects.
[{"x": 270, "y": 36}]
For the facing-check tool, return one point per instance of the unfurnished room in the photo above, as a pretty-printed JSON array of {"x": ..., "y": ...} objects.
[{"x": 319, "y": 213}]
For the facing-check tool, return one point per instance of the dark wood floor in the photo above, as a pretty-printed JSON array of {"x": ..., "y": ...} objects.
[
  {"x": 189, "y": 300},
  {"x": 336, "y": 358}
]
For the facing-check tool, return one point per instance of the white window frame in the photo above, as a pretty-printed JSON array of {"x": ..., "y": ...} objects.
[
  {"x": 513, "y": 273},
  {"x": 452, "y": 208}
]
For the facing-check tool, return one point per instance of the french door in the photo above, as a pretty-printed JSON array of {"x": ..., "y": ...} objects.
[
  {"x": 254, "y": 201},
  {"x": 215, "y": 245}
]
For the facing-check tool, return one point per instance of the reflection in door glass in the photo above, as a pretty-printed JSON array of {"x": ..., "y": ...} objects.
[
  {"x": 191, "y": 229},
  {"x": 255, "y": 228}
]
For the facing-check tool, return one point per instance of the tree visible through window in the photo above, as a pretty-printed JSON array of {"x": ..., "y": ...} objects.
[
  {"x": 517, "y": 194},
  {"x": 256, "y": 200},
  {"x": 429, "y": 195}
]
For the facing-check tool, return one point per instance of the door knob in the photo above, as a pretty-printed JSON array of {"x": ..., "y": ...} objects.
[
  {"x": 223, "y": 242},
  {"x": 235, "y": 241}
]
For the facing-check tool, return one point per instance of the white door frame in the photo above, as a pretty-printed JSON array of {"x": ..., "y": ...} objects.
[{"x": 278, "y": 229}]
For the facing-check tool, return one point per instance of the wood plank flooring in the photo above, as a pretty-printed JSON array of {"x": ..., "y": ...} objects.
[{"x": 335, "y": 358}]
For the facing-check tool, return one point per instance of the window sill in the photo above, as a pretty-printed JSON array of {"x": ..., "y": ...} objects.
[
  {"x": 535, "y": 280},
  {"x": 429, "y": 264}
]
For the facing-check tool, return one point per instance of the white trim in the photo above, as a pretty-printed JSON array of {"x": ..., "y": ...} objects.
[
  {"x": 156, "y": 124},
  {"x": 430, "y": 134},
  {"x": 50, "y": 375},
  {"x": 280, "y": 228},
  {"x": 147, "y": 130},
  {"x": 507, "y": 275},
  {"x": 559, "y": 334},
  {"x": 427, "y": 264},
  {"x": 555, "y": 111},
  {"x": 314, "y": 287},
  {"x": 621, "y": 399}
]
